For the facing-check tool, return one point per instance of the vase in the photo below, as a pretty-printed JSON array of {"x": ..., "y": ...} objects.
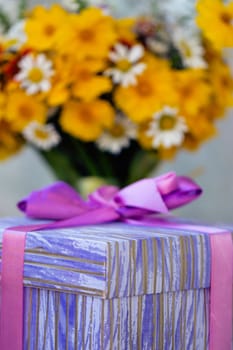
[{"x": 85, "y": 167}]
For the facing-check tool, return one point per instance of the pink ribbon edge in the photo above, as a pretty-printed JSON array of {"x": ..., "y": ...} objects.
[
  {"x": 11, "y": 287},
  {"x": 221, "y": 292}
]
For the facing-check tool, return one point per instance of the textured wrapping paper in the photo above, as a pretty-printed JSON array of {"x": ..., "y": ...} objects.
[{"x": 115, "y": 286}]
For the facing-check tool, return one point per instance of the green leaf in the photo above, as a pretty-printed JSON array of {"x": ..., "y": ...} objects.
[
  {"x": 4, "y": 20},
  {"x": 82, "y": 4}
]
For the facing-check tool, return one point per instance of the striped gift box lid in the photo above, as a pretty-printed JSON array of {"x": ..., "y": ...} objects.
[{"x": 114, "y": 260}]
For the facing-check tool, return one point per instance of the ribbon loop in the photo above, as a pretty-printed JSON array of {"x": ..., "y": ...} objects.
[
  {"x": 143, "y": 194},
  {"x": 156, "y": 195},
  {"x": 56, "y": 202}
]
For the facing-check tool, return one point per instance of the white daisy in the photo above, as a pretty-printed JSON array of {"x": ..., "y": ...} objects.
[
  {"x": 44, "y": 137},
  {"x": 16, "y": 35},
  {"x": 35, "y": 73},
  {"x": 118, "y": 137},
  {"x": 167, "y": 128},
  {"x": 190, "y": 48},
  {"x": 70, "y": 5},
  {"x": 127, "y": 65}
]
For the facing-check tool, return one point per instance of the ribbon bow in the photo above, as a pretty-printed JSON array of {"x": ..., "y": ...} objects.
[{"x": 62, "y": 203}]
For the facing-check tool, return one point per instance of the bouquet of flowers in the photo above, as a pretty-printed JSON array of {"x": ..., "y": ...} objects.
[{"x": 111, "y": 97}]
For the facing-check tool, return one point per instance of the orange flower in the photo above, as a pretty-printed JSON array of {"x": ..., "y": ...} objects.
[
  {"x": 22, "y": 109},
  {"x": 153, "y": 90},
  {"x": 87, "y": 85},
  {"x": 10, "y": 142},
  {"x": 86, "y": 120},
  {"x": 44, "y": 27},
  {"x": 215, "y": 19},
  {"x": 193, "y": 89},
  {"x": 89, "y": 34}
]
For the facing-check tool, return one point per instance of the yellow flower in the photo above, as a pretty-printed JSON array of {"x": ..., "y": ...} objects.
[
  {"x": 153, "y": 90},
  {"x": 196, "y": 104},
  {"x": 61, "y": 80},
  {"x": 193, "y": 90},
  {"x": 22, "y": 109},
  {"x": 58, "y": 94},
  {"x": 222, "y": 86},
  {"x": 45, "y": 27},
  {"x": 86, "y": 120},
  {"x": 201, "y": 126},
  {"x": 10, "y": 142},
  {"x": 143, "y": 138},
  {"x": 125, "y": 29},
  {"x": 87, "y": 84},
  {"x": 215, "y": 19},
  {"x": 90, "y": 34}
]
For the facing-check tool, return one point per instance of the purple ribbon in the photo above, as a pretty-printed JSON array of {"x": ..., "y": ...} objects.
[{"x": 62, "y": 203}]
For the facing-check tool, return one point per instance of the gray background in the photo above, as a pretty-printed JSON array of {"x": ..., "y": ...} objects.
[{"x": 211, "y": 166}]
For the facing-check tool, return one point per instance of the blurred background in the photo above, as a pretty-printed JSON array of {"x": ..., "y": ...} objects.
[{"x": 211, "y": 165}]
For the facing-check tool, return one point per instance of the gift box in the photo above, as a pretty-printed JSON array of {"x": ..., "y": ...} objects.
[{"x": 116, "y": 286}]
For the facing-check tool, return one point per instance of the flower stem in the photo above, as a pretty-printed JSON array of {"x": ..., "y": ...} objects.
[{"x": 88, "y": 162}]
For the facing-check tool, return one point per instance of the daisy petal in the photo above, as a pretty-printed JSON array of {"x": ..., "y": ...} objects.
[{"x": 136, "y": 53}]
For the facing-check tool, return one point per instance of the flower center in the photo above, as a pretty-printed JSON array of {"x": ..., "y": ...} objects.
[
  {"x": 167, "y": 122},
  {"x": 225, "y": 82},
  {"x": 144, "y": 89},
  {"x": 124, "y": 65},
  {"x": 187, "y": 91},
  {"x": 226, "y": 18},
  {"x": 4, "y": 127},
  {"x": 117, "y": 131},
  {"x": 84, "y": 74},
  {"x": 86, "y": 35},
  {"x": 25, "y": 111},
  {"x": 49, "y": 30},
  {"x": 35, "y": 75},
  {"x": 86, "y": 115},
  {"x": 41, "y": 134}
]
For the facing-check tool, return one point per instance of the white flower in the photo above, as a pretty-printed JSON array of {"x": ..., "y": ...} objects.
[
  {"x": 35, "y": 73},
  {"x": 70, "y": 5},
  {"x": 16, "y": 35},
  {"x": 167, "y": 128},
  {"x": 127, "y": 65},
  {"x": 43, "y": 136},
  {"x": 118, "y": 137},
  {"x": 190, "y": 48}
]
